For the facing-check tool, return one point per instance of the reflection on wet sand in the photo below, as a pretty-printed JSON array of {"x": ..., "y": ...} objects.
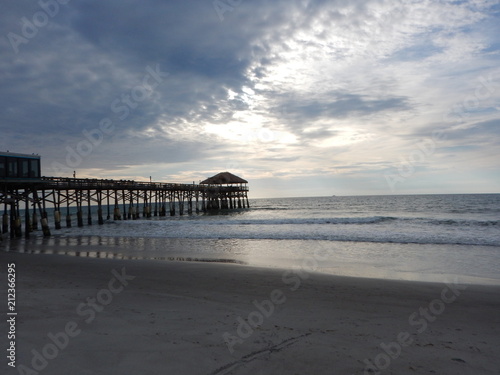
[{"x": 65, "y": 246}]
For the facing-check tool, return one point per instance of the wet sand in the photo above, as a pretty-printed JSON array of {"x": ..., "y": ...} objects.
[{"x": 108, "y": 316}]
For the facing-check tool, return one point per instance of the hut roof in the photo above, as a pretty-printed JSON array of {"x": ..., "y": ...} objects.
[{"x": 224, "y": 178}]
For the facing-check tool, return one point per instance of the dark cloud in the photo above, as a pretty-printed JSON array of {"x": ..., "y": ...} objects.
[
  {"x": 278, "y": 159},
  {"x": 69, "y": 80},
  {"x": 318, "y": 134},
  {"x": 474, "y": 133},
  {"x": 184, "y": 37},
  {"x": 297, "y": 113},
  {"x": 416, "y": 52},
  {"x": 485, "y": 132},
  {"x": 341, "y": 105}
]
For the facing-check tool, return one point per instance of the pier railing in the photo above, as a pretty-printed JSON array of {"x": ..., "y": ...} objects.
[{"x": 93, "y": 183}]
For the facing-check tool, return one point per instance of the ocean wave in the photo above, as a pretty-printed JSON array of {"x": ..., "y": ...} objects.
[
  {"x": 308, "y": 221},
  {"x": 359, "y": 220},
  {"x": 355, "y": 220},
  {"x": 410, "y": 239},
  {"x": 454, "y": 222},
  {"x": 294, "y": 229},
  {"x": 405, "y": 239}
]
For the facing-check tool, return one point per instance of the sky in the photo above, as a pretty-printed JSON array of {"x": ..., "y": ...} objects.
[{"x": 299, "y": 97}]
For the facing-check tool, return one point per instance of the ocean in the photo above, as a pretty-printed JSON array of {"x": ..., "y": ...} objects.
[{"x": 408, "y": 237}]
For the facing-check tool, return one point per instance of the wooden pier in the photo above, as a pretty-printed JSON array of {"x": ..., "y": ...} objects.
[{"x": 97, "y": 200}]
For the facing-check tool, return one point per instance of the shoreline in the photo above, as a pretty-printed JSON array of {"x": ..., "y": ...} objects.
[
  {"x": 213, "y": 318},
  {"x": 387, "y": 261}
]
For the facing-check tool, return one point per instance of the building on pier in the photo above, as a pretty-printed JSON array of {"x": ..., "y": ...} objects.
[
  {"x": 227, "y": 198},
  {"x": 19, "y": 166}
]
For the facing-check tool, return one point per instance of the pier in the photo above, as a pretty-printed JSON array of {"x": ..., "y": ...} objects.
[{"x": 27, "y": 198}]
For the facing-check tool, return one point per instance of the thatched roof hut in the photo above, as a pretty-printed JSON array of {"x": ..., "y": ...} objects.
[{"x": 224, "y": 178}]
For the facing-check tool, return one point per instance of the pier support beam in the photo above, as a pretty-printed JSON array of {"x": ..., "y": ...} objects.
[
  {"x": 100, "y": 219},
  {"x": 57, "y": 219},
  {"x": 156, "y": 204},
  {"x": 34, "y": 220},
  {"x": 45, "y": 227},
  {"x": 68, "y": 214},
  {"x": 89, "y": 208},
  {"x": 43, "y": 213},
  {"x": 124, "y": 199},
  {"x": 172, "y": 203},
  {"x": 27, "y": 224},
  {"x": 79, "y": 213},
  {"x": 79, "y": 217},
  {"x": 57, "y": 209},
  {"x": 116, "y": 213},
  {"x": 109, "y": 207},
  {"x": 5, "y": 222}
]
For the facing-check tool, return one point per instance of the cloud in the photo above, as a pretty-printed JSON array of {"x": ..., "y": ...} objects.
[
  {"x": 341, "y": 105},
  {"x": 479, "y": 134}
]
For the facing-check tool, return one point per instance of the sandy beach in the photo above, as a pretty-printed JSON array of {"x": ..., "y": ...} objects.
[{"x": 100, "y": 316}]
